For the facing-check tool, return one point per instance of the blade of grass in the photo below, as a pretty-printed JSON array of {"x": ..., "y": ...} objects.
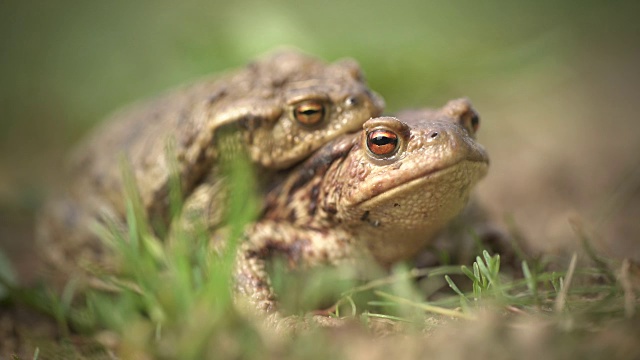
[
  {"x": 455, "y": 288},
  {"x": 426, "y": 307},
  {"x": 564, "y": 288},
  {"x": 532, "y": 282}
]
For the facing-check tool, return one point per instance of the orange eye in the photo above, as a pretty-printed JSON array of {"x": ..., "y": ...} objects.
[
  {"x": 382, "y": 142},
  {"x": 309, "y": 112}
]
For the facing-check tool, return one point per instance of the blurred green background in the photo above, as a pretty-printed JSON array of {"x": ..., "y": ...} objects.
[{"x": 556, "y": 84}]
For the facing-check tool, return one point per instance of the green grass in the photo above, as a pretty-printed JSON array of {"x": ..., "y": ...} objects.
[
  {"x": 176, "y": 307},
  {"x": 172, "y": 305}
]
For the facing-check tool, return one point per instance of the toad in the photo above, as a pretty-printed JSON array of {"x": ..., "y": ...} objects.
[{"x": 279, "y": 109}]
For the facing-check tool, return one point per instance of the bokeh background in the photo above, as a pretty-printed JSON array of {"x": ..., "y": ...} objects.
[{"x": 556, "y": 82}]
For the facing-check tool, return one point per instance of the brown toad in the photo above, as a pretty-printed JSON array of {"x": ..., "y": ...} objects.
[
  {"x": 380, "y": 195},
  {"x": 279, "y": 109}
]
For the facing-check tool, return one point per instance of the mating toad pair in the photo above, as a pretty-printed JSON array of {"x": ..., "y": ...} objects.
[{"x": 340, "y": 184}]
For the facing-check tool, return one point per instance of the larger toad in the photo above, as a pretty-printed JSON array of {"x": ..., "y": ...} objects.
[
  {"x": 280, "y": 109},
  {"x": 379, "y": 195}
]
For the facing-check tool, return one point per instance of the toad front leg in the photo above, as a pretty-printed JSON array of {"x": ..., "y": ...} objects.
[{"x": 300, "y": 248}]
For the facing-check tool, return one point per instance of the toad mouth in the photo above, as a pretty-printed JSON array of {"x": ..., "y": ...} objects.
[{"x": 477, "y": 167}]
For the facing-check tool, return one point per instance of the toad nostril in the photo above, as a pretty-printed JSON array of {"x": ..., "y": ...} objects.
[
  {"x": 351, "y": 101},
  {"x": 434, "y": 134}
]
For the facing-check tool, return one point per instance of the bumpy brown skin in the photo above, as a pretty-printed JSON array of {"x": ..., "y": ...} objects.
[
  {"x": 261, "y": 104},
  {"x": 346, "y": 204}
]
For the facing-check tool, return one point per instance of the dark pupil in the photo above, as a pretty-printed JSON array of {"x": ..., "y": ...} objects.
[
  {"x": 309, "y": 111},
  {"x": 475, "y": 120},
  {"x": 381, "y": 140}
]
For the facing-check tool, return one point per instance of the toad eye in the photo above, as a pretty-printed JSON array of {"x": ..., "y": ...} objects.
[
  {"x": 475, "y": 123},
  {"x": 471, "y": 123},
  {"x": 309, "y": 112},
  {"x": 382, "y": 142}
]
